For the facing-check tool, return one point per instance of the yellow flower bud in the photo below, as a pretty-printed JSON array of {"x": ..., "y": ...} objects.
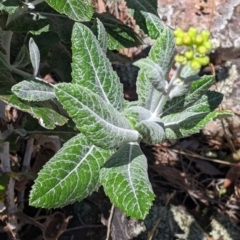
[
  {"x": 205, "y": 35},
  {"x": 192, "y": 32},
  {"x": 201, "y": 49},
  {"x": 195, "y": 64},
  {"x": 198, "y": 40},
  {"x": 178, "y": 32},
  {"x": 189, "y": 54}
]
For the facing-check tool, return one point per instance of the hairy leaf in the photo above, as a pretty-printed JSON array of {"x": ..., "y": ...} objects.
[
  {"x": 102, "y": 35},
  {"x": 92, "y": 69},
  {"x": 95, "y": 118},
  {"x": 154, "y": 25},
  {"x": 163, "y": 50},
  {"x": 47, "y": 117},
  {"x": 125, "y": 180},
  {"x": 154, "y": 73},
  {"x": 136, "y": 114},
  {"x": 153, "y": 132},
  {"x": 198, "y": 88},
  {"x": 148, "y": 96},
  {"x": 34, "y": 56},
  {"x": 34, "y": 90},
  {"x": 194, "y": 124},
  {"x": 76, "y": 10},
  {"x": 71, "y": 175},
  {"x": 177, "y": 118}
]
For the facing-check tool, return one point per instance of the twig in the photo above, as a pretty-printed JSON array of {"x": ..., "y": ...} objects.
[
  {"x": 11, "y": 207},
  {"x": 25, "y": 168},
  {"x": 110, "y": 222},
  {"x": 192, "y": 154},
  {"x": 85, "y": 226}
]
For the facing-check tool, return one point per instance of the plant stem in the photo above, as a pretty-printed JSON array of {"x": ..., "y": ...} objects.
[
  {"x": 21, "y": 73},
  {"x": 160, "y": 105},
  {"x": 6, "y": 43}
]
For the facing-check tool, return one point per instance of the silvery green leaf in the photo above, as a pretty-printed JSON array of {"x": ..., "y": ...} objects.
[
  {"x": 71, "y": 175},
  {"x": 102, "y": 35},
  {"x": 48, "y": 118},
  {"x": 34, "y": 56},
  {"x": 154, "y": 73},
  {"x": 125, "y": 180},
  {"x": 46, "y": 112},
  {"x": 187, "y": 71},
  {"x": 136, "y": 114},
  {"x": 22, "y": 59},
  {"x": 154, "y": 24},
  {"x": 92, "y": 69},
  {"x": 162, "y": 51},
  {"x": 77, "y": 10},
  {"x": 95, "y": 118},
  {"x": 178, "y": 87},
  {"x": 148, "y": 96},
  {"x": 207, "y": 103},
  {"x": 198, "y": 88},
  {"x": 153, "y": 132},
  {"x": 194, "y": 124},
  {"x": 176, "y": 118},
  {"x": 33, "y": 90}
]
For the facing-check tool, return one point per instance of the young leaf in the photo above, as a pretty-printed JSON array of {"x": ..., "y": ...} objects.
[
  {"x": 163, "y": 50},
  {"x": 148, "y": 96},
  {"x": 154, "y": 73},
  {"x": 198, "y": 88},
  {"x": 92, "y": 69},
  {"x": 77, "y": 10},
  {"x": 136, "y": 114},
  {"x": 96, "y": 119},
  {"x": 152, "y": 132},
  {"x": 178, "y": 87},
  {"x": 34, "y": 90},
  {"x": 161, "y": 53},
  {"x": 34, "y": 56},
  {"x": 125, "y": 181},
  {"x": 71, "y": 175}
]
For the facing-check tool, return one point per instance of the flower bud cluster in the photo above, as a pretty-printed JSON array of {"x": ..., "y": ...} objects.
[{"x": 196, "y": 47}]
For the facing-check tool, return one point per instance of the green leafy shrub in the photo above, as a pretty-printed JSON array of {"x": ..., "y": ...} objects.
[{"x": 106, "y": 150}]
